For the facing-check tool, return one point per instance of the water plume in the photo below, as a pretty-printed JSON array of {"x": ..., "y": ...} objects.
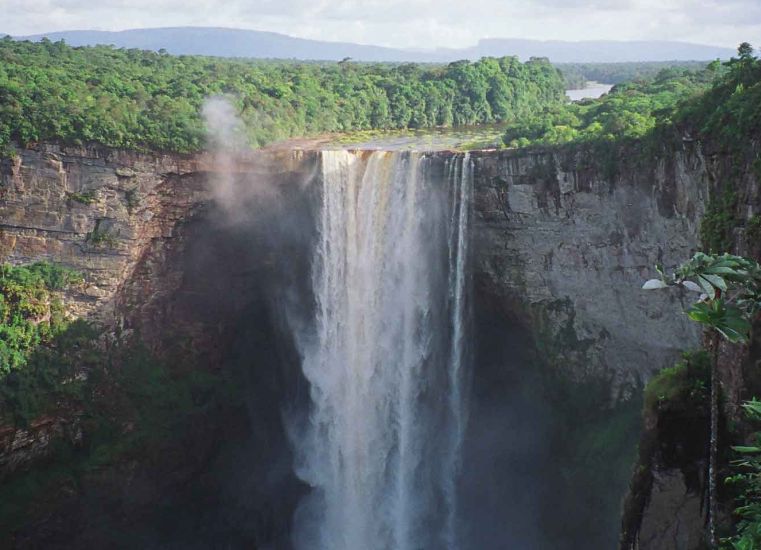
[{"x": 240, "y": 192}]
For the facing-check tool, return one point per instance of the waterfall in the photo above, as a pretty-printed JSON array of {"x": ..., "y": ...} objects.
[{"x": 387, "y": 364}]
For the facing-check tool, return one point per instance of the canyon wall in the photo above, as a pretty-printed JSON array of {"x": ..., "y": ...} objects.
[
  {"x": 558, "y": 244},
  {"x": 569, "y": 247},
  {"x": 561, "y": 244},
  {"x": 557, "y": 239}
]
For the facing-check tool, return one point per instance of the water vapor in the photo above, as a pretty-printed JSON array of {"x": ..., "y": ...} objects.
[{"x": 235, "y": 184}]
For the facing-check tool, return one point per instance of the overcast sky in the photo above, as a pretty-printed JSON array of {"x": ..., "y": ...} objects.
[{"x": 408, "y": 23}]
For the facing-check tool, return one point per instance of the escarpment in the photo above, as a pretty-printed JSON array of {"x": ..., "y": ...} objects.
[
  {"x": 560, "y": 242},
  {"x": 665, "y": 507}
]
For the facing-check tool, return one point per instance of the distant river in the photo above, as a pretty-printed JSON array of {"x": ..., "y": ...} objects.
[{"x": 592, "y": 91}]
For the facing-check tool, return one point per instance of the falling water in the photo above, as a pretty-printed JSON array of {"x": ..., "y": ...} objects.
[{"x": 387, "y": 365}]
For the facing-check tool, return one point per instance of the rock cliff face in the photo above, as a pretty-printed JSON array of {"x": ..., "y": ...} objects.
[
  {"x": 569, "y": 247},
  {"x": 96, "y": 210},
  {"x": 563, "y": 244},
  {"x": 561, "y": 249},
  {"x": 119, "y": 218},
  {"x": 665, "y": 507}
]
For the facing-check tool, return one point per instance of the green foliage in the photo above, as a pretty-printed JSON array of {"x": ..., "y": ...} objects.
[
  {"x": 630, "y": 111},
  {"x": 577, "y": 74},
  {"x": 597, "y": 442},
  {"x": 51, "y": 376},
  {"x": 155, "y": 395},
  {"x": 30, "y": 314},
  {"x": 145, "y": 100},
  {"x": 718, "y": 222},
  {"x": 728, "y": 320},
  {"x": 747, "y": 479},
  {"x": 720, "y": 103},
  {"x": 731, "y": 287},
  {"x": 101, "y": 237},
  {"x": 129, "y": 404},
  {"x": 753, "y": 229},
  {"x": 83, "y": 198},
  {"x": 729, "y": 111},
  {"x": 683, "y": 386}
]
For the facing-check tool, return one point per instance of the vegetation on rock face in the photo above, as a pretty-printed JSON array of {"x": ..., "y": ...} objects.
[
  {"x": 730, "y": 300},
  {"x": 719, "y": 221},
  {"x": 129, "y": 406},
  {"x": 596, "y": 442},
  {"x": 122, "y": 401},
  {"x": 30, "y": 312},
  {"x": 138, "y": 99},
  {"x": 684, "y": 386},
  {"x": 747, "y": 479}
]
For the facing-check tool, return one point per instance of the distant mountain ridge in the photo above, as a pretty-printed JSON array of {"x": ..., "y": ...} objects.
[{"x": 224, "y": 42}]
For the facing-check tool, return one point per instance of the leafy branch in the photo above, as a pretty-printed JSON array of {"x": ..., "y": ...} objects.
[{"x": 729, "y": 287}]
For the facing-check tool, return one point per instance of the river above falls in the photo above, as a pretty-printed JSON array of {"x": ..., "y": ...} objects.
[
  {"x": 463, "y": 138},
  {"x": 592, "y": 90}
]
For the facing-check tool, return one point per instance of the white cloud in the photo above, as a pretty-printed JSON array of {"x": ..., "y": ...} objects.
[{"x": 409, "y": 23}]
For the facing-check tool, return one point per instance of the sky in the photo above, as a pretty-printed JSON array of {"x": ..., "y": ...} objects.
[{"x": 409, "y": 23}]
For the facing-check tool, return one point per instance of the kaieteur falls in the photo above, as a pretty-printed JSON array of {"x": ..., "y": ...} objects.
[{"x": 388, "y": 361}]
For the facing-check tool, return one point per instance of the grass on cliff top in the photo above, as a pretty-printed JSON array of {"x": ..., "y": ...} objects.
[{"x": 466, "y": 138}]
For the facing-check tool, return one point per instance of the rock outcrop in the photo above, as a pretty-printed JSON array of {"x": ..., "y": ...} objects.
[
  {"x": 95, "y": 210},
  {"x": 570, "y": 247}
]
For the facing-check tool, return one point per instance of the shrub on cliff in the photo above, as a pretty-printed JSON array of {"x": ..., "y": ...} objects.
[
  {"x": 681, "y": 387},
  {"x": 30, "y": 312},
  {"x": 747, "y": 478}
]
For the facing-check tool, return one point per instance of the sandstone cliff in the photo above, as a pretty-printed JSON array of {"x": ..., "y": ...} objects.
[{"x": 561, "y": 248}]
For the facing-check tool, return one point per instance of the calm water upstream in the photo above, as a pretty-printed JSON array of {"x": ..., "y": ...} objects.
[{"x": 592, "y": 91}]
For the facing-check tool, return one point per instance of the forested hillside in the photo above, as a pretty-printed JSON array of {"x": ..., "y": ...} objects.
[
  {"x": 145, "y": 100},
  {"x": 577, "y": 74},
  {"x": 717, "y": 96}
]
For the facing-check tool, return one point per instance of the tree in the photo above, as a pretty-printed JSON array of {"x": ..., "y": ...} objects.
[
  {"x": 730, "y": 298},
  {"x": 745, "y": 51}
]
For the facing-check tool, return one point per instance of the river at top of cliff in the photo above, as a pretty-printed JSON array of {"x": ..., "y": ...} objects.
[
  {"x": 592, "y": 90},
  {"x": 463, "y": 138}
]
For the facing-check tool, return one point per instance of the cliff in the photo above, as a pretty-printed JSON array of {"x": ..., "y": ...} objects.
[
  {"x": 555, "y": 238},
  {"x": 665, "y": 506},
  {"x": 569, "y": 246},
  {"x": 561, "y": 247}
]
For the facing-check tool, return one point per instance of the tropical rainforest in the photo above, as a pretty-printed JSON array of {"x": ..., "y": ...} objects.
[
  {"x": 706, "y": 99},
  {"x": 144, "y": 100}
]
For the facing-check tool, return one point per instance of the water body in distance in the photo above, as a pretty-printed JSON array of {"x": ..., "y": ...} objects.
[{"x": 593, "y": 90}]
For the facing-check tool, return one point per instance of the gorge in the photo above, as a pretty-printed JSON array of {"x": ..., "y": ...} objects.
[
  {"x": 286, "y": 305},
  {"x": 558, "y": 250}
]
